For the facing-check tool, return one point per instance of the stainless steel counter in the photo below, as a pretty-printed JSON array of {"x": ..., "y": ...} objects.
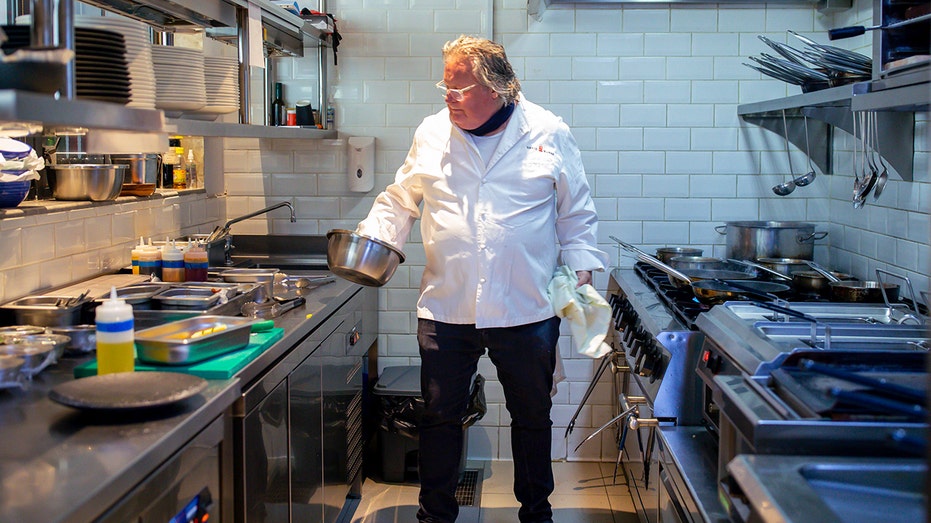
[{"x": 60, "y": 464}]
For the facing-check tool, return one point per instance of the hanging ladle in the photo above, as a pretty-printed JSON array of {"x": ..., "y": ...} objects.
[
  {"x": 808, "y": 177},
  {"x": 884, "y": 175},
  {"x": 785, "y": 188}
]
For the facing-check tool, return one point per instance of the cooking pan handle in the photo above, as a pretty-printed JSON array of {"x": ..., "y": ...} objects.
[
  {"x": 908, "y": 283},
  {"x": 627, "y": 247},
  {"x": 822, "y": 271},
  {"x": 761, "y": 267},
  {"x": 805, "y": 238},
  {"x": 749, "y": 290},
  {"x": 646, "y": 258},
  {"x": 721, "y": 229}
]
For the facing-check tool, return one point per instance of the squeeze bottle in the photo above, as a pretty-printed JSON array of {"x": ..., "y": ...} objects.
[
  {"x": 135, "y": 254},
  {"x": 115, "y": 348},
  {"x": 150, "y": 260},
  {"x": 195, "y": 263},
  {"x": 172, "y": 263}
]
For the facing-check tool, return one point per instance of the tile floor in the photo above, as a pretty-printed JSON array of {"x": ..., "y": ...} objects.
[{"x": 584, "y": 494}]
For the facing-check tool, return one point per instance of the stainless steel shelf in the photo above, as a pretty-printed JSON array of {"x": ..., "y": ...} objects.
[
  {"x": 834, "y": 108},
  {"x": 236, "y": 130},
  {"x": 22, "y": 106}
]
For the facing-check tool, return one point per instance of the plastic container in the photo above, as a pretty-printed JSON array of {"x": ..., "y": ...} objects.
[
  {"x": 150, "y": 261},
  {"x": 135, "y": 254},
  {"x": 172, "y": 263},
  {"x": 191, "y": 166},
  {"x": 115, "y": 335},
  {"x": 196, "y": 263}
]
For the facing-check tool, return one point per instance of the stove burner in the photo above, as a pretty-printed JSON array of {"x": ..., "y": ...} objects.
[{"x": 681, "y": 301}]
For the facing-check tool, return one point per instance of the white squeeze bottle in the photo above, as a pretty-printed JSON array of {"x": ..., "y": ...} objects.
[{"x": 115, "y": 349}]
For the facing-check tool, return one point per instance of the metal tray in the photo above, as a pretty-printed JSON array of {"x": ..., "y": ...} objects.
[
  {"x": 137, "y": 295},
  {"x": 189, "y": 298},
  {"x": 249, "y": 275},
  {"x": 193, "y": 339},
  {"x": 43, "y": 311}
]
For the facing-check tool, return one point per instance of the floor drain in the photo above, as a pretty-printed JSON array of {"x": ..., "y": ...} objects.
[{"x": 468, "y": 491}]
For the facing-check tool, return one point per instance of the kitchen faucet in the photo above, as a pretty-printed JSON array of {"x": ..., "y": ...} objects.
[{"x": 224, "y": 232}]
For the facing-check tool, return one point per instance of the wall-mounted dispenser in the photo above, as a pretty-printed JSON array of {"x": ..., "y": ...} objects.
[{"x": 361, "y": 168}]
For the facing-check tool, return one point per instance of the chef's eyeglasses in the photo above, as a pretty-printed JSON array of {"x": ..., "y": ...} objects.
[{"x": 456, "y": 94}]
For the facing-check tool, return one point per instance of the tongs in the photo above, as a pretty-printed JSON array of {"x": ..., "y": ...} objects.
[
  {"x": 271, "y": 308},
  {"x": 68, "y": 302}
]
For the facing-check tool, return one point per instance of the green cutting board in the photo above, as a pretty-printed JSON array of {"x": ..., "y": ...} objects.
[{"x": 219, "y": 368}]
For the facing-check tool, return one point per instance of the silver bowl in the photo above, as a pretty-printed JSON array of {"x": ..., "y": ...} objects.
[
  {"x": 56, "y": 342},
  {"x": 361, "y": 259},
  {"x": 10, "y": 366},
  {"x": 34, "y": 355},
  {"x": 94, "y": 182},
  {"x": 83, "y": 338}
]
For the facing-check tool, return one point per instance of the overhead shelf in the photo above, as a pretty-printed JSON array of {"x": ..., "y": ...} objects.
[
  {"x": 236, "y": 130},
  {"x": 835, "y": 108},
  {"x": 22, "y": 106}
]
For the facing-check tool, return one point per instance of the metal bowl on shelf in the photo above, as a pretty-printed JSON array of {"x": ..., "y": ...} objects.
[{"x": 94, "y": 182}]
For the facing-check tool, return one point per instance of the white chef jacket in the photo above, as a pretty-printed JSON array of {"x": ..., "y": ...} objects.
[{"x": 492, "y": 234}]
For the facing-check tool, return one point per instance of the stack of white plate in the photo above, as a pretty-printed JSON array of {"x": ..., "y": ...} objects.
[
  {"x": 179, "y": 78},
  {"x": 221, "y": 76},
  {"x": 138, "y": 53}
]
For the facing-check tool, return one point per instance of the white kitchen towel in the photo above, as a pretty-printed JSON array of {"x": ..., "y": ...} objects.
[{"x": 587, "y": 312}]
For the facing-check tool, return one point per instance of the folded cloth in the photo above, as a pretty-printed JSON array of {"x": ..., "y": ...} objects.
[{"x": 587, "y": 312}]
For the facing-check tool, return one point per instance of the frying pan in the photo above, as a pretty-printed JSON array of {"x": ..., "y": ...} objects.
[
  {"x": 713, "y": 292},
  {"x": 682, "y": 278},
  {"x": 857, "y": 291}
]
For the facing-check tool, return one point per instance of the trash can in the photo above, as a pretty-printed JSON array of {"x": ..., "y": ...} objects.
[{"x": 400, "y": 407}]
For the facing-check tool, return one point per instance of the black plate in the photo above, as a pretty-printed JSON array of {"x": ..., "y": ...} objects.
[{"x": 128, "y": 390}]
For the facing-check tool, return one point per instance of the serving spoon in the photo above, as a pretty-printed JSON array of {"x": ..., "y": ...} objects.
[{"x": 785, "y": 188}]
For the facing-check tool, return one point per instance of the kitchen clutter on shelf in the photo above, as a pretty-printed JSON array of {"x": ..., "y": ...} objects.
[
  {"x": 813, "y": 67},
  {"x": 19, "y": 165}
]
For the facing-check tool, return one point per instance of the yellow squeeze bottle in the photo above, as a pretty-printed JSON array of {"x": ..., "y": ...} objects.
[{"x": 116, "y": 351}]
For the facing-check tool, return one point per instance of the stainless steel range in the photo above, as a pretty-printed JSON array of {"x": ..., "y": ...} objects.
[{"x": 701, "y": 388}]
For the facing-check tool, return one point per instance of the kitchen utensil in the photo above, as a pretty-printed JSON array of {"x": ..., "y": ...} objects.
[
  {"x": 884, "y": 172},
  {"x": 807, "y": 178},
  {"x": 361, "y": 259},
  {"x": 784, "y": 266},
  {"x": 127, "y": 390},
  {"x": 302, "y": 282},
  {"x": 81, "y": 338},
  {"x": 665, "y": 254},
  {"x": 864, "y": 291},
  {"x": 787, "y": 186},
  {"x": 94, "y": 182},
  {"x": 192, "y": 339},
  {"x": 698, "y": 262},
  {"x": 9, "y": 369},
  {"x": 815, "y": 282},
  {"x": 712, "y": 292},
  {"x": 271, "y": 308},
  {"x": 42, "y": 311},
  {"x": 761, "y": 267},
  {"x": 752, "y": 240},
  {"x": 36, "y": 356},
  {"x": 828, "y": 275},
  {"x": 857, "y": 30}
]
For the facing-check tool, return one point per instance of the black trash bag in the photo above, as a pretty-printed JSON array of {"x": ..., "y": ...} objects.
[{"x": 402, "y": 414}]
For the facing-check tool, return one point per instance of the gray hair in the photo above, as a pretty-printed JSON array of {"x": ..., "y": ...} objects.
[{"x": 489, "y": 64}]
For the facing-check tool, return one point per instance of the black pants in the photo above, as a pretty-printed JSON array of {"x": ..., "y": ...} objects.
[{"x": 525, "y": 357}]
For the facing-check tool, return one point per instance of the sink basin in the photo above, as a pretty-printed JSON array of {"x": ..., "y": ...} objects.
[
  {"x": 856, "y": 492},
  {"x": 828, "y": 489}
]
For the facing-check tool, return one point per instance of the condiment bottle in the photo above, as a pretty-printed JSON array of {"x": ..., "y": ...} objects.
[
  {"x": 179, "y": 175},
  {"x": 195, "y": 263},
  {"x": 191, "y": 167},
  {"x": 172, "y": 263},
  {"x": 115, "y": 348},
  {"x": 135, "y": 254},
  {"x": 150, "y": 260}
]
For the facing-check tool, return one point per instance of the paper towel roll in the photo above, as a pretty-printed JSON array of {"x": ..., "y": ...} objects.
[{"x": 361, "y": 168}]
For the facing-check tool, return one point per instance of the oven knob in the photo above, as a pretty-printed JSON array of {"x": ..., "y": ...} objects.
[{"x": 714, "y": 362}]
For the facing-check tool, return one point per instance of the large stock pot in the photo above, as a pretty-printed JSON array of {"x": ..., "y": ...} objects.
[{"x": 752, "y": 240}]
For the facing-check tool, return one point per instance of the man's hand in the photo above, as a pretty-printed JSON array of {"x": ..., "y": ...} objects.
[{"x": 584, "y": 277}]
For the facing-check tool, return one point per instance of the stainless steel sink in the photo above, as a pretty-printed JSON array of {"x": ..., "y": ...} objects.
[
  {"x": 879, "y": 492},
  {"x": 830, "y": 489},
  {"x": 847, "y": 335}
]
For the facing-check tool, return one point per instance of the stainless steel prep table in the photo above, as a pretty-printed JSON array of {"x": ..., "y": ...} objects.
[{"x": 58, "y": 464}]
